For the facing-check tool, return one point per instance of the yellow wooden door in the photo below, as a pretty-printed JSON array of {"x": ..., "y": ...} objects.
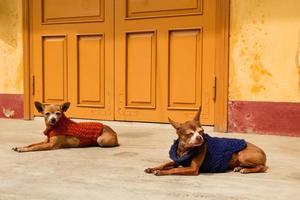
[
  {"x": 135, "y": 60},
  {"x": 164, "y": 59},
  {"x": 72, "y": 55}
]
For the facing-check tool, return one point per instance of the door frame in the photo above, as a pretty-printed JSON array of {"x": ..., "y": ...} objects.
[
  {"x": 221, "y": 63},
  {"x": 28, "y": 72}
]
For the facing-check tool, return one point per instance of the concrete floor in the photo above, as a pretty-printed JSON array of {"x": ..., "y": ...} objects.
[{"x": 117, "y": 173}]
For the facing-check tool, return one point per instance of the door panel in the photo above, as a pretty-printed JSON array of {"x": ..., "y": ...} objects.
[
  {"x": 73, "y": 55},
  {"x": 61, "y": 11},
  {"x": 140, "y": 69},
  {"x": 54, "y": 69},
  {"x": 178, "y": 61},
  {"x": 185, "y": 68},
  {"x": 90, "y": 54},
  {"x": 156, "y": 8}
]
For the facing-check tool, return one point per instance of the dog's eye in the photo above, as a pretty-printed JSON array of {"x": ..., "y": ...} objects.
[
  {"x": 190, "y": 133},
  {"x": 58, "y": 113},
  {"x": 200, "y": 130},
  {"x": 47, "y": 113}
]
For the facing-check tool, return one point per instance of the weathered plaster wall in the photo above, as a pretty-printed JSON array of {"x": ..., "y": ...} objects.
[
  {"x": 11, "y": 69},
  {"x": 265, "y": 50}
]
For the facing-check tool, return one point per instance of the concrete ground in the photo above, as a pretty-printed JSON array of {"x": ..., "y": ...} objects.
[{"x": 117, "y": 173}]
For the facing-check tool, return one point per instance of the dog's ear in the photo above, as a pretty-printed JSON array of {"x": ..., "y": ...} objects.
[
  {"x": 176, "y": 125},
  {"x": 65, "y": 106},
  {"x": 197, "y": 116},
  {"x": 39, "y": 106}
]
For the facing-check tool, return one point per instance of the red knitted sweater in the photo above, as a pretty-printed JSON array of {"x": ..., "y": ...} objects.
[{"x": 86, "y": 132}]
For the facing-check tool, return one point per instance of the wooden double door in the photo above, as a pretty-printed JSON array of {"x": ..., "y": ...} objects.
[{"x": 135, "y": 60}]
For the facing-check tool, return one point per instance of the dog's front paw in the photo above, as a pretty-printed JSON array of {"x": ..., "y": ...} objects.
[
  {"x": 159, "y": 173},
  {"x": 149, "y": 170},
  {"x": 244, "y": 171},
  {"x": 19, "y": 149},
  {"x": 237, "y": 169}
]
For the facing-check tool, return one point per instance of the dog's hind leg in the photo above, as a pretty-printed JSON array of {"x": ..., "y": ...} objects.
[
  {"x": 108, "y": 138},
  {"x": 256, "y": 169},
  {"x": 251, "y": 159}
]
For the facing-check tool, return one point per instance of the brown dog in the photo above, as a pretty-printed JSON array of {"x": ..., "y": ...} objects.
[
  {"x": 194, "y": 152},
  {"x": 62, "y": 132}
]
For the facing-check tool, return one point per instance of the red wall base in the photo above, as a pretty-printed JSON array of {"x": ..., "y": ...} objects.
[
  {"x": 14, "y": 102},
  {"x": 264, "y": 117},
  {"x": 244, "y": 116}
]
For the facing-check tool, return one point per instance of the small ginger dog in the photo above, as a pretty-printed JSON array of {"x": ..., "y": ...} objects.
[
  {"x": 62, "y": 132},
  {"x": 195, "y": 152}
]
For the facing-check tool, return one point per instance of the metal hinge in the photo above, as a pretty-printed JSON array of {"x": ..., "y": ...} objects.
[
  {"x": 33, "y": 85},
  {"x": 215, "y": 89}
]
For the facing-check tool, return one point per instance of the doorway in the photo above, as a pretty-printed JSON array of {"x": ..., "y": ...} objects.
[{"x": 132, "y": 60}]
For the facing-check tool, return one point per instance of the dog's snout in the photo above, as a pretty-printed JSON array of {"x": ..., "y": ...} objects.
[
  {"x": 52, "y": 120},
  {"x": 199, "y": 137}
]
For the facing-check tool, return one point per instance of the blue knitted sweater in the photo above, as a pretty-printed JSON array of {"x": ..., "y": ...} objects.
[{"x": 218, "y": 155}]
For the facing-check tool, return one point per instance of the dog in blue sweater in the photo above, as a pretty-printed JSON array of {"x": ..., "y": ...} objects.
[{"x": 195, "y": 152}]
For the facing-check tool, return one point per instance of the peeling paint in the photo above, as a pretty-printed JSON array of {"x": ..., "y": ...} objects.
[
  {"x": 258, "y": 89},
  {"x": 11, "y": 105},
  {"x": 257, "y": 71},
  {"x": 257, "y": 74},
  {"x": 8, "y": 112}
]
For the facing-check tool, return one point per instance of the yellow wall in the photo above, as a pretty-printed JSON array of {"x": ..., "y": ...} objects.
[
  {"x": 265, "y": 50},
  {"x": 11, "y": 69}
]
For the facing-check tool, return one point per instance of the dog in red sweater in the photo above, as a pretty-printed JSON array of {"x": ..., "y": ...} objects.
[{"x": 63, "y": 132}]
